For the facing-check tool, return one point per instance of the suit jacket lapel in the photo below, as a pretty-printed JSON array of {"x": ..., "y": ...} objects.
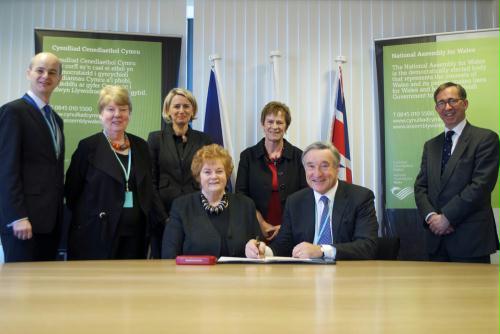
[
  {"x": 168, "y": 151},
  {"x": 434, "y": 157},
  {"x": 37, "y": 116},
  {"x": 189, "y": 145},
  {"x": 106, "y": 161},
  {"x": 138, "y": 161},
  {"x": 310, "y": 215},
  {"x": 463, "y": 142},
  {"x": 168, "y": 140},
  {"x": 339, "y": 205}
]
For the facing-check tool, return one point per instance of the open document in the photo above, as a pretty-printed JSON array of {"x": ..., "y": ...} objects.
[{"x": 274, "y": 259}]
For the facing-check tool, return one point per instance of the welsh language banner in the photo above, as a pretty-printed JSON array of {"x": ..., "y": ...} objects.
[{"x": 147, "y": 66}]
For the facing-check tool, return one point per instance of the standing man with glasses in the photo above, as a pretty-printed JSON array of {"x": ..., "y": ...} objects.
[
  {"x": 458, "y": 172},
  {"x": 331, "y": 219},
  {"x": 32, "y": 167}
]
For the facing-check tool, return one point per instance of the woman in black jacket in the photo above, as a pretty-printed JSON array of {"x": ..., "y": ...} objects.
[
  {"x": 109, "y": 187},
  {"x": 271, "y": 170},
  {"x": 172, "y": 150}
]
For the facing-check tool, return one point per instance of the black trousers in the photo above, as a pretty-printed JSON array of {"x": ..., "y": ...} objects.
[
  {"x": 130, "y": 248},
  {"x": 441, "y": 255},
  {"x": 41, "y": 247}
]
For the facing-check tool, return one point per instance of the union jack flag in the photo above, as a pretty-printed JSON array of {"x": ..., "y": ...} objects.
[{"x": 339, "y": 134}]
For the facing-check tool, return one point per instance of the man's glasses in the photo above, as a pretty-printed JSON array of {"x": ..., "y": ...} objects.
[{"x": 452, "y": 102}]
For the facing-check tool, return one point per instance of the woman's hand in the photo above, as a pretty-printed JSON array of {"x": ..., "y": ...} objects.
[
  {"x": 268, "y": 231},
  {"x": 255, "y": 249}
]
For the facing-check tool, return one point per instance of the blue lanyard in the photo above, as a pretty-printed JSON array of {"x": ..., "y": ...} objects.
[{"x": 52, "y": 124}]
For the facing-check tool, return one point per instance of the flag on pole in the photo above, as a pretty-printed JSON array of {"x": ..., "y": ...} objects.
[
  {"x": 213, "y": 124},
  {"x": 339, "y": 133},
  {"x": 216, "y": 120}
]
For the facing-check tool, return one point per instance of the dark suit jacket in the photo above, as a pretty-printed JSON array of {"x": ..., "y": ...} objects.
[
  {"x": 255, "y": 178},
  {"x": 354, "y": 223},
  {"x": 31, "y": 176},
  {"x": 190, "y": 232},
  {"x": 462, "y": 193},
  {"x": 95, "y": 193},
  {"x": 171, "y": 176}
]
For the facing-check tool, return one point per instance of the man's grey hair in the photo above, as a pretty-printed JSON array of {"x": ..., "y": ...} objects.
[{"x": 319, "y": 145}]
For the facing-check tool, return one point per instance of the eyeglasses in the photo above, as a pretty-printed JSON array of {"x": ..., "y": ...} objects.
[{"x": 452, "y": 102}]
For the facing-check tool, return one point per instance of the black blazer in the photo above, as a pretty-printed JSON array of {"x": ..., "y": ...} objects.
[
  {"x": 171, "y": 175},
  {"x": 254, "y": 177},
  {"x": 462, "y": 193},
  {"x": 31, "y": 176},
  {"x": 190, "y": 232},
  {"x": 354, "y": 223},
  {"x": 95, "y": 193}
]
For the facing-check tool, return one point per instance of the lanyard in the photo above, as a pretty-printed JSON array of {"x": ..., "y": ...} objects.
[
  {"x": 126, "y": 172},
  {"x": 50, "y": 123}
]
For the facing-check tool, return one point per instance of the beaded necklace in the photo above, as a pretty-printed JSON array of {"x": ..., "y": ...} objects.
[
  {"x": 116, "y": 146},
  {"x": 217, "y": 209}
]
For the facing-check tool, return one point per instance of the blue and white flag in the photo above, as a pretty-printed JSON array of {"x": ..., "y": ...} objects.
[
  {"x": 216, "y": 120},
  {"x": 213, "y": 120}
]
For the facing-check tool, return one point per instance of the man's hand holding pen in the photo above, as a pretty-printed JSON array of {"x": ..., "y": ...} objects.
[{"x": 255, "y": 248}]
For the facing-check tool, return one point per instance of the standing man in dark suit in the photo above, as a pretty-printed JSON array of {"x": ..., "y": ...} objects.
[
  {"x": 453, "y": 188},
  {"x": 331, "y": 219},
  {"x": 32, "y": 168}
]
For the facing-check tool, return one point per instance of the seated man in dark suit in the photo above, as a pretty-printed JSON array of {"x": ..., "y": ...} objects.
[{"x": 331, "y": 219}]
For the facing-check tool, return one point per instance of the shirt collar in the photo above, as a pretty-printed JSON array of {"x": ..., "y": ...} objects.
[
  {"x": 459, "y": 128},
  {"x": 39, "y": 103},
  {"x": 173, "y": 132},
  {"x": 330, "y": 193}
]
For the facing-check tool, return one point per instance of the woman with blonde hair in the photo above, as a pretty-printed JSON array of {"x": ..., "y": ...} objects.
[{"x": 172, "y": 150}]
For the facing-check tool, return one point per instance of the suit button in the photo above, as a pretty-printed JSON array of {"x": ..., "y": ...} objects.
[
  {"x": 280, "y": 173},
  {"x": 282, "y": 186}
]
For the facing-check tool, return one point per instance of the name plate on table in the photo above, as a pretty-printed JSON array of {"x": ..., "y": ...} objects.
[{"x": 195, "y": 260}]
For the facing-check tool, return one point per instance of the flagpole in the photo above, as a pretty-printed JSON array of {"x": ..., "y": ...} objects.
[
  {"x": 275, "y": 56},
  {"x": 340, "y": 60}
]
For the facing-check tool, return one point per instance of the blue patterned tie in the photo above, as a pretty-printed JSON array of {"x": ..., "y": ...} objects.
[
  {"x": 325, "y": 228},
  {"x": 448, "y": 143},
  {"x": 47, "y": 112}
]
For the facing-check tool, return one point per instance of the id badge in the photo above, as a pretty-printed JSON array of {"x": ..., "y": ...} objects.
[{"x": 129, "y": 200}]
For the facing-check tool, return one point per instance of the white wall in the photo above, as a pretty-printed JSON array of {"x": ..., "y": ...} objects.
[
  {"x": 310, "y": 34},
  {"x": 19, "y": 18}
]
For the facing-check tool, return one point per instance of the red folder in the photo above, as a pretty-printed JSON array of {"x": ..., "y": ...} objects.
[{"x": 195, "y": 260}]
